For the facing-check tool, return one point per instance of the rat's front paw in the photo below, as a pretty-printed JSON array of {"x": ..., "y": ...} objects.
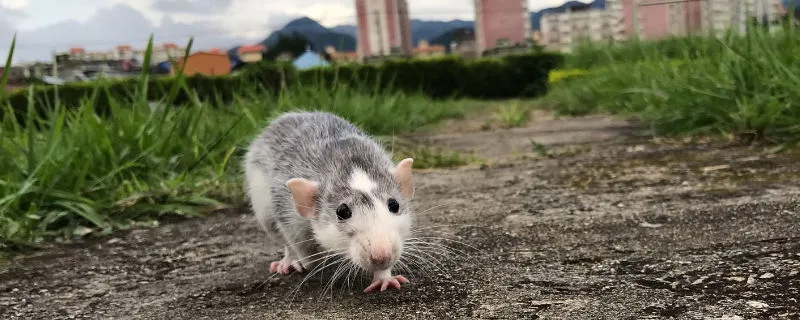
[
  {"x": 384, "y": 279},
  {"x": 285, "y": 266}
]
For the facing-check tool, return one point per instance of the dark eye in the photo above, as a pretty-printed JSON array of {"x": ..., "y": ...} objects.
[
  {"x": 343, "y": 212},
  {"x": 394, "y": 207}
]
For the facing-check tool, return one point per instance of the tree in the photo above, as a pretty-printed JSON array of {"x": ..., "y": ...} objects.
[{"x": 294, "y": 44}]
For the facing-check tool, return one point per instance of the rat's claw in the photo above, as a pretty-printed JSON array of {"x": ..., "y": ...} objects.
[
  {"x": 285, "y": 266},
  {"x": 383, "y": 282}
]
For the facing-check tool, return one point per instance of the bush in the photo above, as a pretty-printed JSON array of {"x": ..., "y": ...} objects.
[
  {"x": 103, "y": 92},
  {"x": 490, "y": 78}
]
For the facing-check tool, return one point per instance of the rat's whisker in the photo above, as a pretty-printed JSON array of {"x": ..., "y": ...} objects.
[{"x": 317, "y": 270}]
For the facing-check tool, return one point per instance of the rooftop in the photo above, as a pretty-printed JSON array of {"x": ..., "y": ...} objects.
[{"x": 252, "y": 48}]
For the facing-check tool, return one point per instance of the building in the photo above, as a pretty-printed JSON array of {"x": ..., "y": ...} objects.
[
  {"x": 308, "y": 60},
  {"x": 561, "y": 31},
  {"x": 721, "y": 15},
  {"x": 209, "y": 63},
  {"x": 251, "y": 53},
  {"x": 384, "y": 28},
  {"x": 166, "y": 52},
  {"x": 425, "y": 50},
  {"x": 650, "y": 20},
  {"x": 341, "y": 57},
  {"x": 500, "y": 23}
]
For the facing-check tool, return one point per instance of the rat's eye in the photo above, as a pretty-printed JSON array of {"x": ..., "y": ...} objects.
[
  {"x": 343, "y": 212},
  {"x": 394, "y": 207}
]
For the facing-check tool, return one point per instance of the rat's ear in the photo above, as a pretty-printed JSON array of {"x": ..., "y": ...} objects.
[
  {"x": 402, "y": 172},
  {"x": 303, "y": 193}
]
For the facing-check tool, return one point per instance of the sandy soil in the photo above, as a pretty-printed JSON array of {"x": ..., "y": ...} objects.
[{"x": 615, "y": 228}]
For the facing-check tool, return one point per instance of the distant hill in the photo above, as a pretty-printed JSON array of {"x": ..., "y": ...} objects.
[
  {"x": 536, "y": 16},
  {"x": 319, "y": 36},
  {"x": 420, "y": 29}
]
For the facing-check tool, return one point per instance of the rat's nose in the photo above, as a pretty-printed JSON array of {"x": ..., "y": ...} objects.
[{"x": 380, "y": 258}]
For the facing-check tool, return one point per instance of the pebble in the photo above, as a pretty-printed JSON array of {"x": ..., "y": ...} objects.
[
  {"x": 757, "y": 304},
  {"x": 699, "y": 281},
  {"x": 751, "y": 280},
  {"x": 767, "y": 275}
]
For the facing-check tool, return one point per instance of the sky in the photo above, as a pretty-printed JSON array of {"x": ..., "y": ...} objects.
[{"x": 43, "y": 26}]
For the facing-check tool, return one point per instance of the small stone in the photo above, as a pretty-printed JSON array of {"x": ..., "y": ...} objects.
[
  {"x": 751, "y": 280},
  {"x": 738, "y": 279},
  {"x": 699, "y": 281},
  {"x": 767, "y": 275},
  {"x": 757, "y": 304}
]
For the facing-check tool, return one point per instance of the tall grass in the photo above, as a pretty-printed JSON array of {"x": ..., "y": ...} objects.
[
  {"x": 71, "y": 171},
  {"x": 747, "y": 89}
]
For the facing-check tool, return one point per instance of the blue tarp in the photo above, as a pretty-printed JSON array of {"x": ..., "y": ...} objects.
[{"x": 308, "y": 60}]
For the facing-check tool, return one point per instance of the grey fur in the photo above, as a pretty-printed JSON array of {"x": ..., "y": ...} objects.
[{"x": 320, "y": 147}]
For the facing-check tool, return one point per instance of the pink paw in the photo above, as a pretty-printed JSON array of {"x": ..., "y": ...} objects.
[
  {"x": 285, "y": 266},
  {"x": 383, "y": 281}
]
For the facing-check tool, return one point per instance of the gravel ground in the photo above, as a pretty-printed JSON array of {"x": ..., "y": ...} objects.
[{"x": 611, "y": 226}]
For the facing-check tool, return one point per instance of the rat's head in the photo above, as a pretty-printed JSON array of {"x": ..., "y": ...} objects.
[{"x": 365, "y": 214}]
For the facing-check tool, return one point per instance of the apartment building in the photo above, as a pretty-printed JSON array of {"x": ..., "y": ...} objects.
[
  {"x": 501, "y": 23},
  {"x": 651, "y": 19},
  {"x": 721, "y": 15},
  {"x": 561, "y": 31},
  {"x": 384, "y": 28}
]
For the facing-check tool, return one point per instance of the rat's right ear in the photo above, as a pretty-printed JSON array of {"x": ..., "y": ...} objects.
[
  {"x": 303, "y": 193},
  {"x": 405, "y": 177}
]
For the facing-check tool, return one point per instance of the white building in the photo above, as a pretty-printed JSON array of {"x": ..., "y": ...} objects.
[
  {"x": 654, "y": 19},
  {"x": 561, "y": 31}
]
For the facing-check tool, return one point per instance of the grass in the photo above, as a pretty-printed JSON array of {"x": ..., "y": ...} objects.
[
  {"x": 746, "y": 87},
  {"x": 513, "y": 115},
  {"x": 71, "y": 172}
]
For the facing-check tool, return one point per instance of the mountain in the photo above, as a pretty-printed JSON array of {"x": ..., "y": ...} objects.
[
  {"x": 347, "y": 29},
  {"x": 420, "y": 29},
  {"x": 319, "y": 36},
  {"x": 536, "y": 16},
  {"x": 428, "y": 30},
  {"x": 456, "y": 34}
]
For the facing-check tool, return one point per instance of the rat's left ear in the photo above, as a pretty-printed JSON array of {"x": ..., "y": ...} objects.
[
  {"x": 402, "y": 172},
  {"x": 303, "y": 193}
]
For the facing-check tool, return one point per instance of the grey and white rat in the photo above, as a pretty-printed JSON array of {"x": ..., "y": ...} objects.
[{"x": 323, "y": 187}]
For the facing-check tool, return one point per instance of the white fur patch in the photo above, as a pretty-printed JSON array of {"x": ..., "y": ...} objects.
[
  {"x": 360, "y": 181},
  {"x": 258, "y": 191}
]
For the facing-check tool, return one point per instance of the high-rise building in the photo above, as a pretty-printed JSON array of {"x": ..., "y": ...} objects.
[
  {"x": 384, "y": 27},
  {"x": 500, "y": 23}
]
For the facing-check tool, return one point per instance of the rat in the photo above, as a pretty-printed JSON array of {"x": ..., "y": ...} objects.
[{"x": 322, "y": 187}]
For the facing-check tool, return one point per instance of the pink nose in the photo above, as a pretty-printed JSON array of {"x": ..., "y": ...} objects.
[{"x": 380, "y": 257}]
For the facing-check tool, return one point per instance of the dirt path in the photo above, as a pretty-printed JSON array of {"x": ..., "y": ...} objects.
[{"x": 615, "y": 229}]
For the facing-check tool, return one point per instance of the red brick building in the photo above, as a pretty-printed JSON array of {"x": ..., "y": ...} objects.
[
  {"x": 384, "y": 27},
  {"x": 501, "y": 22}
]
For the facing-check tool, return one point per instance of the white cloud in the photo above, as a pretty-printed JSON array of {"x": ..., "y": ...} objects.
[
  {"x": 112, "y": 26},
  {"x": 14, "y": 4}
]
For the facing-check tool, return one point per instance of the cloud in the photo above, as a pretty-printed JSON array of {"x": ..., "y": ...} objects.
[
  {"x": 192, "y": 6},
  {"x": 112, "y": 26},
  {"x": 14, "y": 4}
]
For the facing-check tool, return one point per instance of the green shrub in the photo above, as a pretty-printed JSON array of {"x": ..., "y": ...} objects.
[
  {"x": 489, "y": 78},
  {"x": 102, "y": 92}
]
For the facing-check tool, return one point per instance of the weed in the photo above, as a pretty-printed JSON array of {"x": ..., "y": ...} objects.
[{"x": 513, "y": 115}]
